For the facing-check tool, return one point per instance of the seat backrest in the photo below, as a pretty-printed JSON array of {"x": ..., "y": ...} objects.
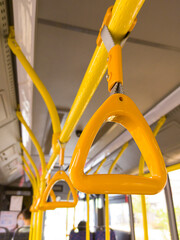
[
  {"x": 122, "y": 235},
  {"x": 4, "y": 233},
  {"x": 22, "y": 233},
  {"x": 100, "y": 235},
  {"x": 81, "y": 235}
]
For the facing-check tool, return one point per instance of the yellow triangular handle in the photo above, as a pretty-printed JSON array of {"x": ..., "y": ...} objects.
[
  {"x": 58, "y": 176},
  {"x": 121, "y": 109}
]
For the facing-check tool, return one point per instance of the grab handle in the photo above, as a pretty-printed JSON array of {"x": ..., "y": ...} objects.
[{"x": 121, "y": 109}]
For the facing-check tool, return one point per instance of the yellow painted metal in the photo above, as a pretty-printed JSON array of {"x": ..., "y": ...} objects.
[
  {"x": 123, "y": 15},
  {"x": 36, "y": 80},
  {"x": 68, "y": 197},
  {"x": 34, "y": 186},
  {"x": 34, "y": 140},
  {"x": 32, "y": 163},
  {"x": 44, "y": 205},
  {"x": 173, "y": 167},
  {"x": 106, "y": 195},
  {"x": 100, "y": 165},
  {"x": 87, "y": 222},
  {"x": 121, "y": 109},
  {"x": 118, "y": 156},
  {"x": 51, "y": 161},
  {"x": 141, "y": 172},
  {"x": 29, "y": 173},
  {"x": 107, "y": 217}
]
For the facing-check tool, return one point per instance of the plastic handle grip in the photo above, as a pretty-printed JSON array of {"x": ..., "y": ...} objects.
[
  {"x": 44, "y": 205},
  {"x": 121, "y": 109}
]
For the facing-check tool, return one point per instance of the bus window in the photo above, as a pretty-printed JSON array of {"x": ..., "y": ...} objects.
[
  {"x": 119, "y": 216},
  {"x": 175, "y": 187},
  {"x": 158, "y": 225},
  {"x": 55, "y": 224}
]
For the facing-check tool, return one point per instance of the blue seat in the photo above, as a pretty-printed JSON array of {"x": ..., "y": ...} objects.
[
  {"x": 4, "y": 233},
  {"x": 100, "y": 235},
  {"x": 81, "y": 235},
  {"x": 22, "y": 233}
]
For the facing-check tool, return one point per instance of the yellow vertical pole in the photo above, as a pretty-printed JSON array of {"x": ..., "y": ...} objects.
[
  {"x": 68, "y": 196},
  {"x": 106, "y": 195},
  {"x": 143, "y": 202},
  {"x": 107, "y": 217},
  {"x": 87, "y": 222},
  {"x": 141, "y": 172}
]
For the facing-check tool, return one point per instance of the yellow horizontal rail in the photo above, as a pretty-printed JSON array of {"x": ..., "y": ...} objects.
[
  {"x": 123, "y": 15},
  {"x": 34, "y": 140},
  {"x": 36, "y": 80},
  {"x": 32, "y": 163}
]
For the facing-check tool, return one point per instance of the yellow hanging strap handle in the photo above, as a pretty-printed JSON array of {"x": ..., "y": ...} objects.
[
  {"x": 36, "y": 80},
  {"x": 121, "y": 109},
  {"x": 44, "y": 205},
  {"x": 141, "y": 172},
  {"x": 106, "y": 195},
  {"x": 34, "y": 140}
]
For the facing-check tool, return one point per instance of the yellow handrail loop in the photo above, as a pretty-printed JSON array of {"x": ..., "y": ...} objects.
[
  {"x": 44, "y": 205},
  {"x": 121, "y": 109}
]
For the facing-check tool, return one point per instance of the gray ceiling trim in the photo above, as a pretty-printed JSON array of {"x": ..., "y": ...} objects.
[{"x": 95, "y": 33}]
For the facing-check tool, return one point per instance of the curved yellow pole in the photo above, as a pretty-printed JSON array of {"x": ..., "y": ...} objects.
[
  {"x": 36, "y": 80},
  {"x": 34, "y": 140},
  {"x": 30, "y": 173},
  {"x": 32, "y": 163},
  {"x": 123, "y": 15},
  {"x": 141, "y": 172}
]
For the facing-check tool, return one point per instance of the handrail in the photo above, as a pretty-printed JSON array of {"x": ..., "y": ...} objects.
[
  {"x": 100, "y": 165},
  {"x": 121, "y": 109},
  {"x": 44, "y": 205},
  {"x": 32, "y": 229},
  {"x": 123, "y": 148},
  {"x": 31, "y": 174},
  {"x": 68, "y": 197},
  {"x": 141, "y": 172},
  {"x": 118, "y": 156},
  {"x": 32, "y": 163},
  {"x": 34, "y": 187},
  {"x": 123, "y": 15},
  {"x": 34, "y": 140},
  {"x": 36, "y": 80}
]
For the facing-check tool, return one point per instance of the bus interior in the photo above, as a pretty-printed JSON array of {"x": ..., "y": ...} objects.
[{"x": 84, "y": 167}]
